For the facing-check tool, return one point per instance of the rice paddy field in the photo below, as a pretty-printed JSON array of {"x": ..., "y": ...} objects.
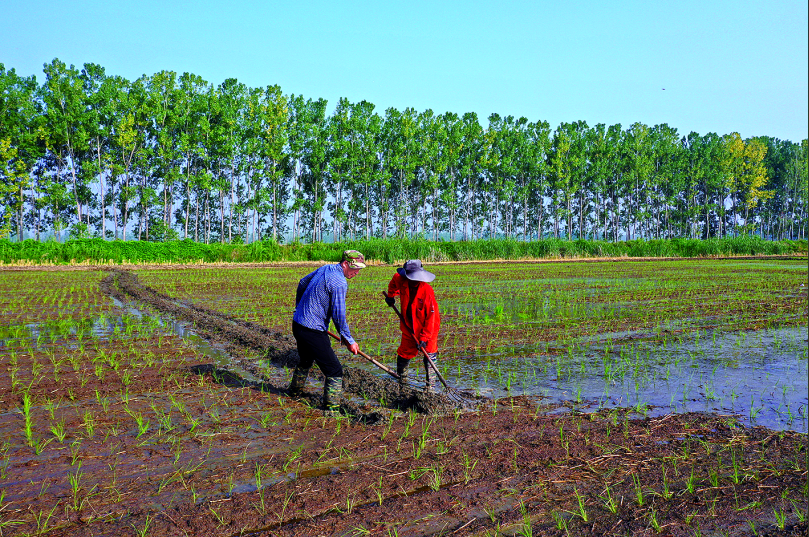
[
  {"x": 726, "y": 336},
  {"x": 597, "y": 398}
]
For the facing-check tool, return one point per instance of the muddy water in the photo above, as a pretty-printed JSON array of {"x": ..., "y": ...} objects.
[
  {"x": 759, "y": 375},
  {"x": 133, "y": 321}
]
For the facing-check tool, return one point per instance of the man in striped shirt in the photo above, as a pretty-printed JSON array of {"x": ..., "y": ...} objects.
[{"x": 321, "y": 298}]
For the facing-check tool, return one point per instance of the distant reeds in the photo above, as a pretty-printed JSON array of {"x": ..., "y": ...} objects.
[{"x": 98, "y": 251}]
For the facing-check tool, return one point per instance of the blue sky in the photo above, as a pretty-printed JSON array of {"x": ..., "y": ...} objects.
[{"x": 725, "y": 65}]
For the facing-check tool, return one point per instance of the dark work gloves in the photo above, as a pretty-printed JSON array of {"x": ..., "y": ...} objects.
[
  {"x": 422, "y": 345},
  {"x": 390, "y": 301}
]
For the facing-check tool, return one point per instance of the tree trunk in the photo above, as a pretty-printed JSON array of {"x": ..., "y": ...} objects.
[
  {"x": 555, "y": 219},
  {"x": 368, "y": 219},
  {"x": 467, "y": 211},
  {"x": 733, "y": 201},
  {"x": 629, "y": 229},
  {"x": 101, "y": 183},
  {"x": 187, "y": 197},
  {"x": 274, "y": 212},
  {"x": 232, "y": 201},
  {"x": 606, "y": 231},
  {"x": 525, "y": 218},
  {"x": 222, "y": 217},
  {"x": 38, "y": 224},
  {"x": 569, "y": 216},
  {"x": 196, "y": 219},
  {"x": 539, "y": 218},
  {"x": 207, "y": 216},
  {"x": 125, "y": 218},
  {"x": 616, "y": 212},
  {"x": 20, "y": 214}
]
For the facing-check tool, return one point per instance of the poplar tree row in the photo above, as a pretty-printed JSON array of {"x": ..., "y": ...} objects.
[{"x": 166, "y": 156}]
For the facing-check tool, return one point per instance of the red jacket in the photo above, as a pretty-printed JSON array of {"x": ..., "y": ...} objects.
[{"x": 423, "y": 317}]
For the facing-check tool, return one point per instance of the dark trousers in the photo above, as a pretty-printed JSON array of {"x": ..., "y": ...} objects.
[
  {"x": 433, "y": 356},
  {"x": 315, "y": 346}
]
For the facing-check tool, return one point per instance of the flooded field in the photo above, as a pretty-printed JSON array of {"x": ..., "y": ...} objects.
[
  {"x": 724, "y": 336},
  {"x": 610, "y": 398}
]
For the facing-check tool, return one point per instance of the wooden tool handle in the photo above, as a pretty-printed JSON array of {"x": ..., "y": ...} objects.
[{"x": 381, "y": 366}]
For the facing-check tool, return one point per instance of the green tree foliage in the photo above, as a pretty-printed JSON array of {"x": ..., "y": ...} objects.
[
  {"x": 168, "y": 156},
  {"x": 20, "y": 148}
]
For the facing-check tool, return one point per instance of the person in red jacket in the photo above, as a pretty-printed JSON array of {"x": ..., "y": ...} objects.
[{"x": 420, "y": 314}]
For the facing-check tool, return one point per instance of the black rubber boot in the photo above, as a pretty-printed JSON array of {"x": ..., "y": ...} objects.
[
  {"x": 298, "y": 381},
  {"x": 332, "y": 390},
  {"x": 401, "y": 369}
]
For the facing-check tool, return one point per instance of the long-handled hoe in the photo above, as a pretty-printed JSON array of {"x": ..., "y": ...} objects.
[{"x": 381, "y": 366}]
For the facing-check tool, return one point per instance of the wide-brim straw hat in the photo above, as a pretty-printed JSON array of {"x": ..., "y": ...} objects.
[{"x": 412, "y": 270}]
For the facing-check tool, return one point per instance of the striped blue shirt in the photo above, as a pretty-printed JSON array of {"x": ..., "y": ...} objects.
[{"x": 321, "y": 297}]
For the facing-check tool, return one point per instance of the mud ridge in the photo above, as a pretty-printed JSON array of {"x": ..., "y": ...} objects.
[{"x": 239, "y": 335}]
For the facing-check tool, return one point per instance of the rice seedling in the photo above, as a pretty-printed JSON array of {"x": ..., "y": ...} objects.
[
  {"x": 468, "y": 467},
  {"x": 89, "y": 423},
  {"x": 387, "y": 428},
  {"x": 74, "y": 479},
  {"x": 608, "y": 501},
  {"x": 780, "y": 518},
  {"x": 27, "y": 401},
  {"x": 639, "y": 494},
  {"x": 581, "y": 512},
  {"x": 691, "y": 482},
  {"x": 58, "y": 430},
  {"x": 799, "y": 510},
  {"x": 293, "y": 456},
  {"x": 141, "y": 422},
  {"x": 42, "y": 519},
  {"x": 144, "y": 531},
  {"x": 288, "y": 497},
  {"x": 559, "y": 519}
]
